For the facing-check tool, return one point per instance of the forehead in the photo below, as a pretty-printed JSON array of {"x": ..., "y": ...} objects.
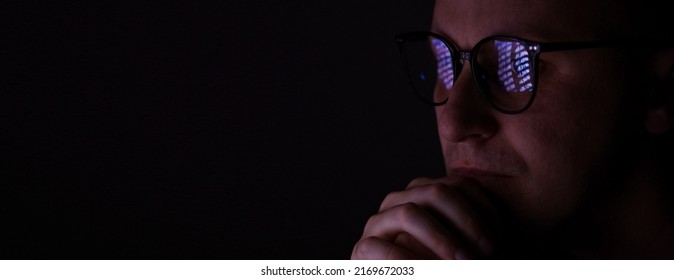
[{"x": 468, "y": 21}]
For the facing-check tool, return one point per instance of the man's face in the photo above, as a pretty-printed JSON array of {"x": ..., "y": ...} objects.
[{"x": 546, "y": 162}]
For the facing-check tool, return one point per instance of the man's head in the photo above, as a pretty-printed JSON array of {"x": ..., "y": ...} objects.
[{"x": 593, "y": 119}]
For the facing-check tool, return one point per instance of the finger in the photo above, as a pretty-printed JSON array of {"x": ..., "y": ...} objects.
[
  {"x": 374, "y": 248},
  {"x": 451, "y": 207},
  {"x": 483, "y": 202},
  {"x": 416, "y": 221},
  {"x": 407, "y": 241},
  {"x": 467, "y": 187},
  {"x": 423, "y": 181}
]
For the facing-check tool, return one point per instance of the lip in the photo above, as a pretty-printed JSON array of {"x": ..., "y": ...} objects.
[
  {"x": 468, "y": 171},
  {"x": 482, "y": 176}
]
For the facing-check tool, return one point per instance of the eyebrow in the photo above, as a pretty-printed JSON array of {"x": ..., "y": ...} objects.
[{"x": 541, "y": 34}]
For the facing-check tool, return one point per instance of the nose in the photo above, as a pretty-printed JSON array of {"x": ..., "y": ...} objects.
[{"x": 466, "y": 116}]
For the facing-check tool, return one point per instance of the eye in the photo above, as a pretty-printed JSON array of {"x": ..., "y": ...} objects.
[{"x": 521, "y": 66}]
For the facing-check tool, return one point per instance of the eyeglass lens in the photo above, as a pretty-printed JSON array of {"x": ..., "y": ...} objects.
[{"x": 503, "y": 72}]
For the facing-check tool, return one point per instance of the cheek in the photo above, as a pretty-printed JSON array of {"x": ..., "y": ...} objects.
[
  {"x": 565, "y": 141},
  {"x": 557, "y": 163},
  {"x": 576, "y": 118}
]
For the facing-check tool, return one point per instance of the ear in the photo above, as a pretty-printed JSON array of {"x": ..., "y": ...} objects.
[{"x": 660, "y": 114}]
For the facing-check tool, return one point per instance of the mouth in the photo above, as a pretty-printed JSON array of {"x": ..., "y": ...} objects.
[{"x": 484, "y": 177}]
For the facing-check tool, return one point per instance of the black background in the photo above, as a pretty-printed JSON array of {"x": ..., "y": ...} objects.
[{"x": 204, "y": 129}]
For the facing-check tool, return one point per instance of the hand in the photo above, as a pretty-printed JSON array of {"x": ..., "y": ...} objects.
[{"x": 446, "y": 218}]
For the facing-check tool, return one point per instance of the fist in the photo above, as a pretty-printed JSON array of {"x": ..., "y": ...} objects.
[{"x": 445, "y": 218}]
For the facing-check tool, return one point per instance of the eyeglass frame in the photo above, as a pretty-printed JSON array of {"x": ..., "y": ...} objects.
[{"x": 534, "y": 48}]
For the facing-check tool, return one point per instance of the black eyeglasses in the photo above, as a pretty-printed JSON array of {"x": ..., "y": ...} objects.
[{"x": 503, "y": 67}]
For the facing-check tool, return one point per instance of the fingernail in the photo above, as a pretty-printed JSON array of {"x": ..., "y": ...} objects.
[
  {"x": 460, "y": 254},
  {"x": 486, "y": 247}
]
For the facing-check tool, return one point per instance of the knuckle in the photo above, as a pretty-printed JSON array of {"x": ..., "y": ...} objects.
[
  {"x": 439, "y": 191},
  {"x": 371, "y": 224},
  {"x": 418, "y": 181},
  {"x": 375, "y": 218},
  {"x": 407, "y": 212},
  {"x": 372, "y": 248},
  {"x": 445, "y": 248},
  {"x": 389, "y": 199},
  {"x": 394, "y": 253},
  {"x": 362, "y": 247}
]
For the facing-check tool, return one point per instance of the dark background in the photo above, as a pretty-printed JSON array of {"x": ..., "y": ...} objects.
[{"x": 204, "y": 129}]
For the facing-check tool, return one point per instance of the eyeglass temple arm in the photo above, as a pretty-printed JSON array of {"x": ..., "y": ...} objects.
[{"x": 550, "y": 47}]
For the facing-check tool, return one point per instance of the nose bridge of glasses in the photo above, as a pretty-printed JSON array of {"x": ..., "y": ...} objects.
[
  {"x": 464, "y": 56},
  {"x": 462, "y": 59},
  {"x": 463, "y": 65}
]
